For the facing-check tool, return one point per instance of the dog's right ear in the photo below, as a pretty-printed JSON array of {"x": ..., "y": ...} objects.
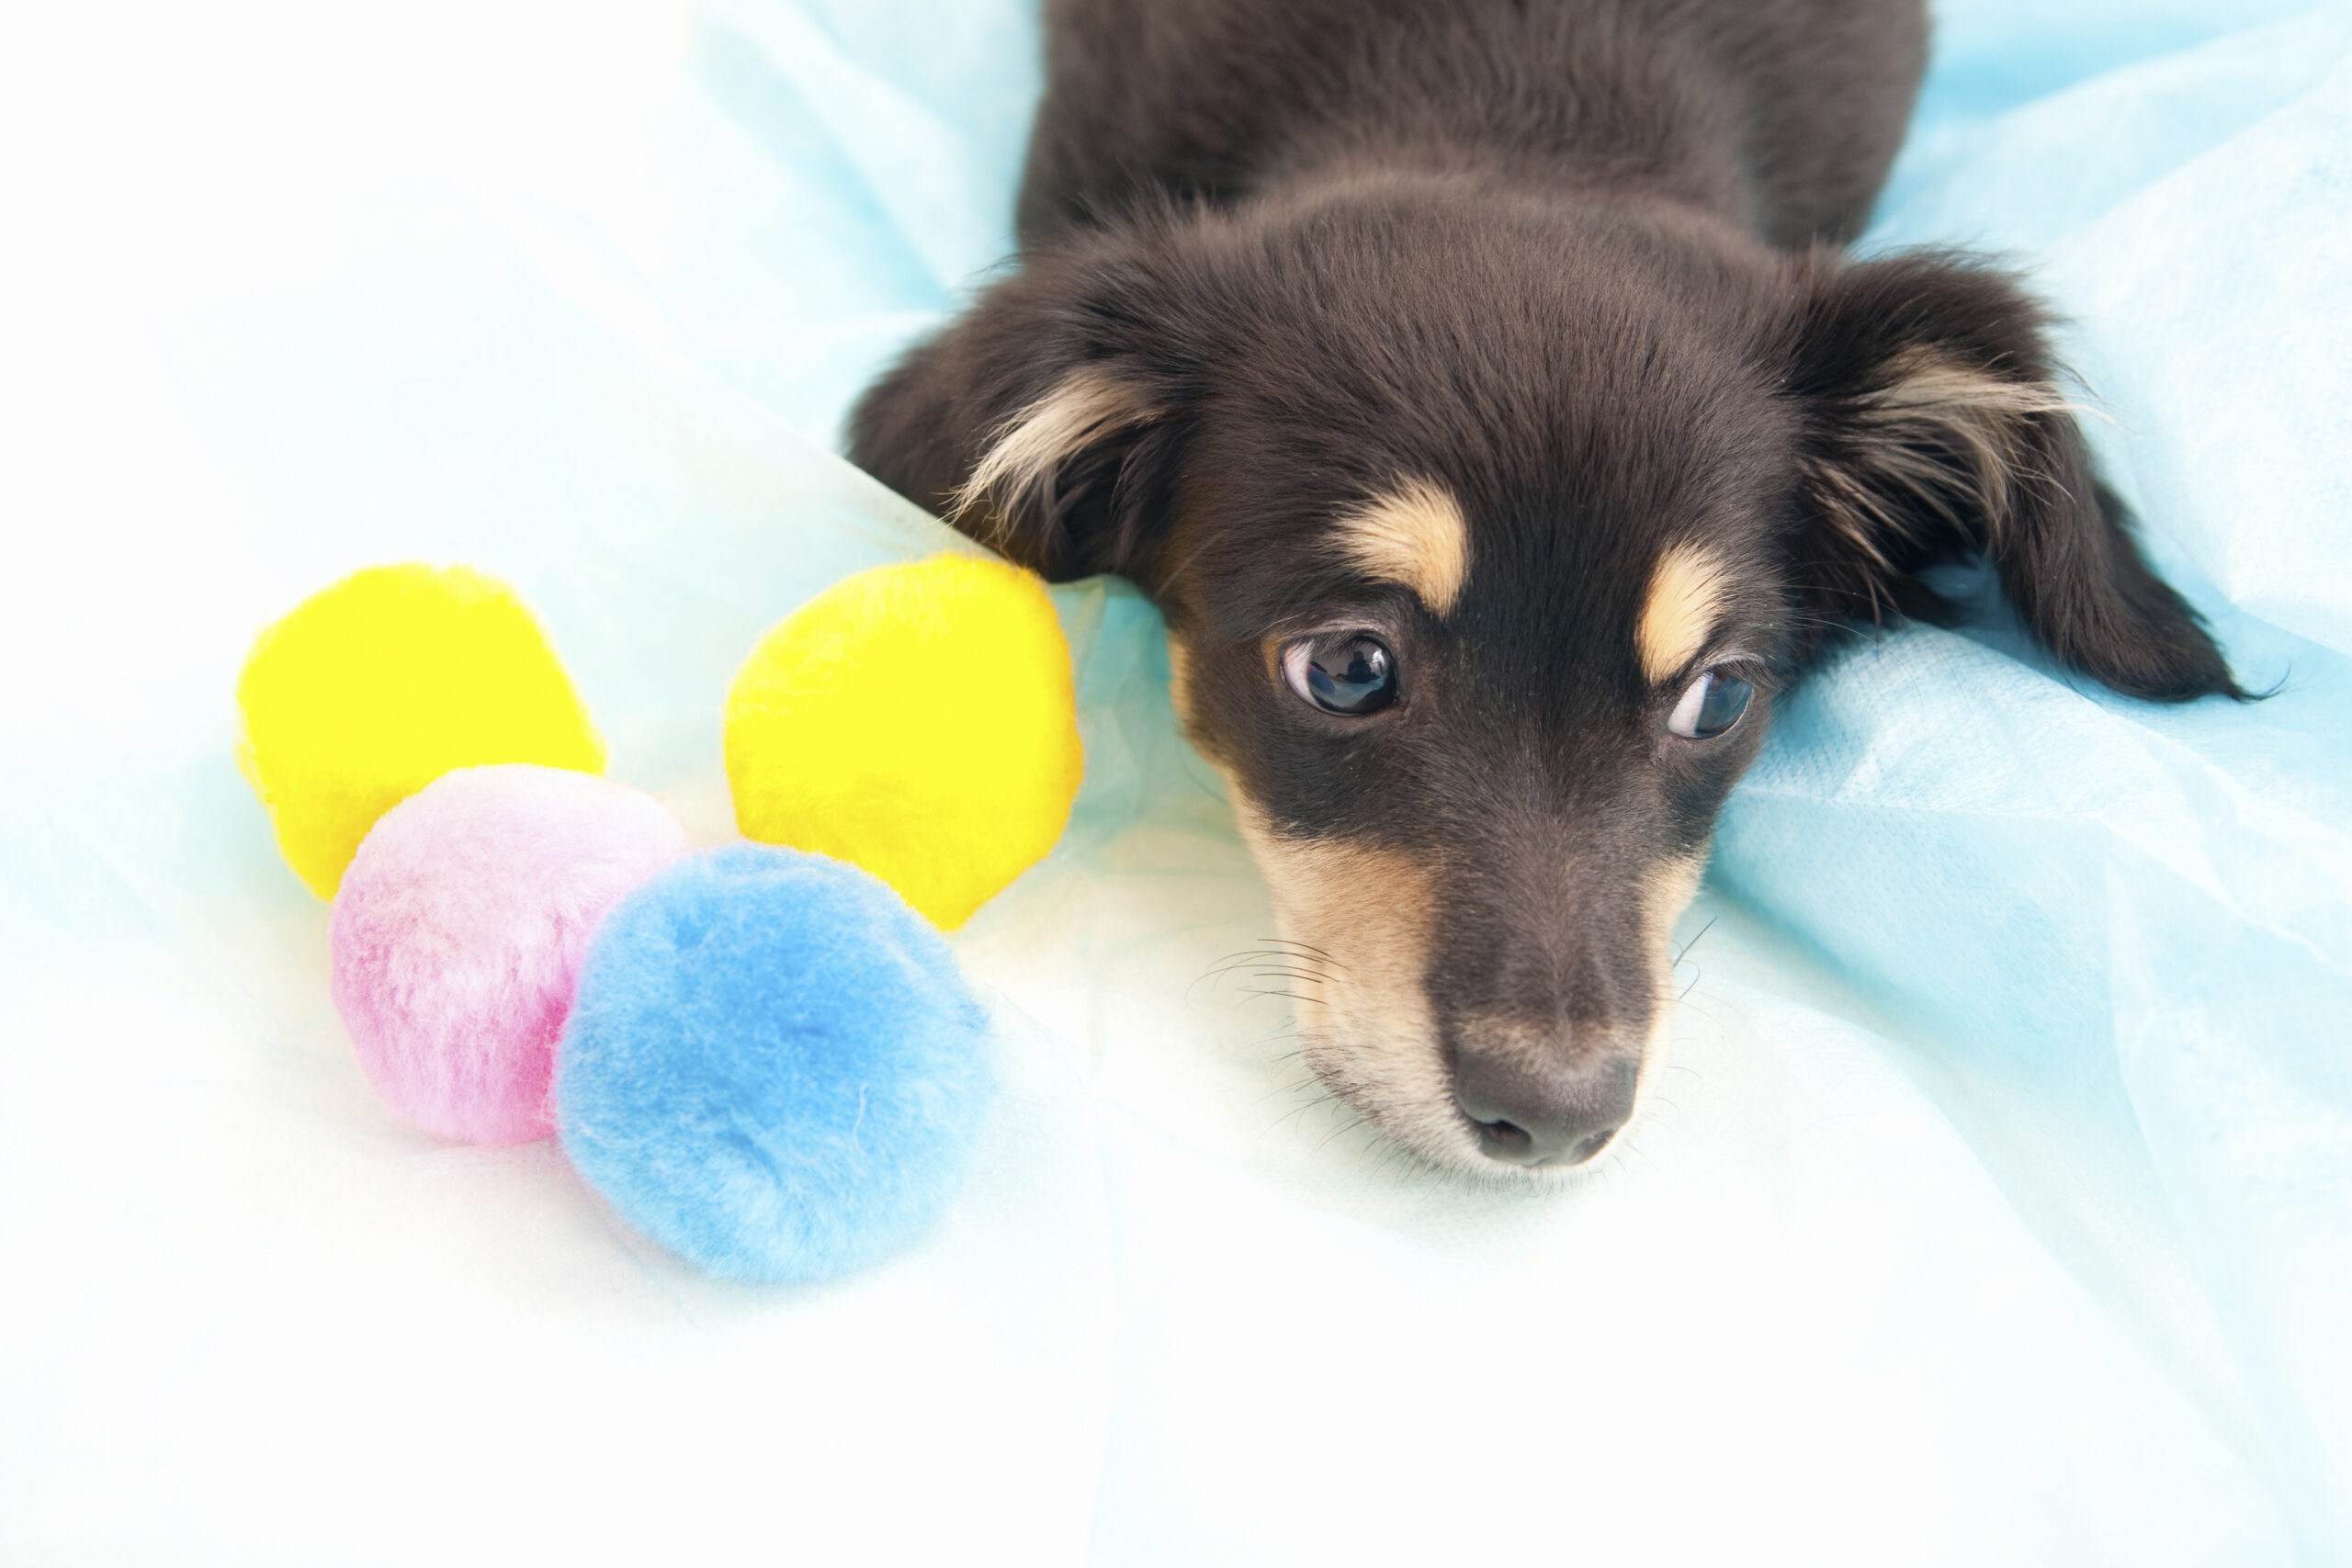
[{"x": 1047, "y": 422}]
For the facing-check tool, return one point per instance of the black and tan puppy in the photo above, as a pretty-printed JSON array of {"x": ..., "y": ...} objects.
[{"x": 1476, "y": 386}]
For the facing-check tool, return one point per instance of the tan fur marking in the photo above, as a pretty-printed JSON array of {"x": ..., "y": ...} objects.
[
  {"x": 1414, "y": 535},
  {"x": 1906, "y": 431},
  {"x": 1179, "y": 680},
  {"x": 1686, "y": 597},
  {"x": 1664, "y": 895},
  {"x": 1368, "y": 907},
  {"x": 1090, "y": 402},
  {"x": 1360, "y": 918}
]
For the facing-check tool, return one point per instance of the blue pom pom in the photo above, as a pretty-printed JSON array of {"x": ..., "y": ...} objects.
[{"x": 773, "y": 1066}]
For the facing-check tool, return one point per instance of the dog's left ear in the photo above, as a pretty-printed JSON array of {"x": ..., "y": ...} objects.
[{"x": 1935, "y": 426}]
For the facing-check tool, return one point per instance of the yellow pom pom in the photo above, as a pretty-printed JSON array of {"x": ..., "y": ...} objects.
[
  {"x": 374, "y": 688},
  {"x": 917, "y": 720}
]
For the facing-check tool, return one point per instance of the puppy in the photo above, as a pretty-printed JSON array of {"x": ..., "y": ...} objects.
[{"x": 1478, "y": 388}]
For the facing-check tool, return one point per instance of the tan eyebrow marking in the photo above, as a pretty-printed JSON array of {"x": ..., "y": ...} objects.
[
  {"x": 1685, "y": 601},
  {"x": 1414, "y": 535}
]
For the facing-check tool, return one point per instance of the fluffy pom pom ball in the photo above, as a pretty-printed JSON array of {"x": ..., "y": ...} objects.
[
  {"x": 917, "y": 720},
  {"x": 773, "y": 1067},
  {"x": 459, "y": 930},
  {"x": 371, "y": 689}
]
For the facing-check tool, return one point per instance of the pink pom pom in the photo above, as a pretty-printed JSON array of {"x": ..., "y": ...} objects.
[{"x": 459, "y": 930}]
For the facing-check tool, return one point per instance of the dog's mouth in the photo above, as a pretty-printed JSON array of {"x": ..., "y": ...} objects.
[{"x": 1406, "y": 1089}]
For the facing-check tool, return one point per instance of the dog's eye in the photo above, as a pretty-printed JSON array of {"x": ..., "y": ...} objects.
[
  {"x": 1712, "y": 705},
  {"x": 1351, "y": 673}
]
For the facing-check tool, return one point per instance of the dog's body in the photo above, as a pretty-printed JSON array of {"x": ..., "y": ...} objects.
[
  {"x": 1473, "y": 386},
  {"x": 1779, "y": 115}
]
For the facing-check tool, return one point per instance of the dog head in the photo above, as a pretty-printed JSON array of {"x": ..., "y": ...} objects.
[{"x": 1485, "y": 530}]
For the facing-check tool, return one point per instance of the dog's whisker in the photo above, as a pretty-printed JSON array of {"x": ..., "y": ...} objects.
[
  {"x": 1231, "y": 962},
  {"x": 1301, "y": 1108},
  {"x": 1292, "y": 1086},
  {"x": 1306, "y": 947},
  {"x": 1262, "y": 964},
  {"x": 1349, "y": 1126},
  {"x": 1219, "y": 970}
]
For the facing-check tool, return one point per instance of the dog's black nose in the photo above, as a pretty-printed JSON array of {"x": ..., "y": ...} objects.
[{"x": 1543, "y": 1114}]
